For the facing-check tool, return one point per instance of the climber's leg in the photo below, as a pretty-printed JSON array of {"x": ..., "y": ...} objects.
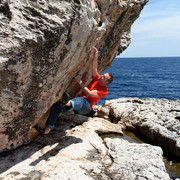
[
  {"x": 53, "y": 116},
  {"x": 56, "y": 109}
]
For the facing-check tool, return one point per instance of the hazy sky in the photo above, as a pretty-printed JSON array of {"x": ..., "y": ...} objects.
[{"x": 156, "y": 33}]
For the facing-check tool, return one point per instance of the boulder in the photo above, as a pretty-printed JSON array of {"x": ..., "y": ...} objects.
[
  {"x": 135, "y": 161},
  {"x": 155, "y": 119},
  {"x": 43, "y": 44}
]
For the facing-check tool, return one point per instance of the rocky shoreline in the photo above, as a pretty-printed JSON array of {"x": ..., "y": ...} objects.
[
  {"x": 156, "y": 119},
  {"x": 75, "y": 150}
]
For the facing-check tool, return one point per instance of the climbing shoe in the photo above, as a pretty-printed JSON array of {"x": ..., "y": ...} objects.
[
  {"x": 40, "y": 130},
  {"x": 64, "y": 100}
]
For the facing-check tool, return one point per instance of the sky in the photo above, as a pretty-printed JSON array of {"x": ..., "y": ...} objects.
[{"x": 156, "y": 33}]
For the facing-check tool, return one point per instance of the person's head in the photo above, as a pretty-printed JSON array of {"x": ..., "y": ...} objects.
[{"x": 106, "y": 79}]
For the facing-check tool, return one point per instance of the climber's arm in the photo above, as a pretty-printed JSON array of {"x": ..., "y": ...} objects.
[
  {"x": 94, "y": 63},
  {"x": 92, "y": 72},
  {"x": 85, "y": 90}
]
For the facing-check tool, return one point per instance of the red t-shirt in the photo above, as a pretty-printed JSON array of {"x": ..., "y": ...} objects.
[{"x": 95, "y": 85}]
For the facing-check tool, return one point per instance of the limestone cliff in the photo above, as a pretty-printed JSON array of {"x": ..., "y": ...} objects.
[{"x": 43, "y": 44}]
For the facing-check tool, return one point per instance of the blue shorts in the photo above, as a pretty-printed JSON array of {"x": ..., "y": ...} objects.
[{"x": 80, "y": 105}]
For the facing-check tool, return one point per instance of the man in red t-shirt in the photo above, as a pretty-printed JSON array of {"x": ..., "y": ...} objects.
[
  {"x": 96, "y": 89},
  {"x": 91, "y": 94}
]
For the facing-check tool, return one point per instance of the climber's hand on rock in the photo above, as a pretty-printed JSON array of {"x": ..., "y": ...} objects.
[
  {"x": 94, "y": 51},
  {"x": 78, "y": 78}
]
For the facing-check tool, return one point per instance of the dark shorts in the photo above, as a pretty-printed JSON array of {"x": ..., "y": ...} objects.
[{"x": 80, "y": 105}]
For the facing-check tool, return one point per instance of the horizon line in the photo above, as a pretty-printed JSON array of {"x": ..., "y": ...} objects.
[{"x": 149, "y": 57}]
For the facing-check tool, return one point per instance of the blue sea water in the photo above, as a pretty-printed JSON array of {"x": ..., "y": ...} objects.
[{"x": 156, "y": 77}]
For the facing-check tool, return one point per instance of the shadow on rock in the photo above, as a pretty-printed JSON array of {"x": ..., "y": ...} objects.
[
  {"x": 44, "y": 147},
  {"x": 66, "y": 141}
]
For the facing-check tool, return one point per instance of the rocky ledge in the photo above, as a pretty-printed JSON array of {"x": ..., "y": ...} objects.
[
  {"x": 75, "y": 149},
  {"x": 156, "y": 119}
]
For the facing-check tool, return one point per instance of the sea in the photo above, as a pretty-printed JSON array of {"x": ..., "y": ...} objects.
[{"x": 144, "y": 77}]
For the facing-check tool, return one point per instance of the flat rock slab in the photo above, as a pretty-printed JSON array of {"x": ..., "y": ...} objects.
[
  {"x": 135, "y": 161},
  {"x": 74, "y": 150},
  {"x": 156, "y": 119},
  {"x": 68, "y": 152}
]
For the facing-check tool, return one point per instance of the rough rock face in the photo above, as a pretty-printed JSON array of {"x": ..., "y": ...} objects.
[
  {"x": 135, "y": 161},
  {"x": 43, "y": 44},
  {"x": 74, "y": 150},
  {"x": 156, "y": 119}
]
